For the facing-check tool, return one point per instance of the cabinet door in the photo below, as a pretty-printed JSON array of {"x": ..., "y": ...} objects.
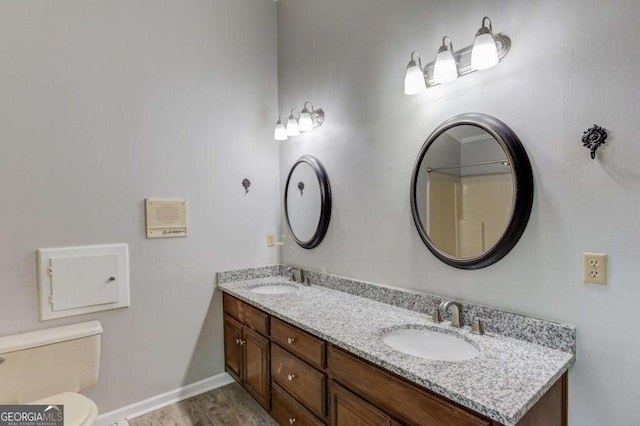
[
  {"x": 257, "y": 379},
  {"x": 346, "y": 409},
  {"x": 233, "y": 348}
]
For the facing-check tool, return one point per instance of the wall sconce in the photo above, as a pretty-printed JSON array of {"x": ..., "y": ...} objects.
[
  {"x": 487, "y": 51},
  {"x": 445, "y": 68},
  {"x": 293, "y": 128},
  {"x": 484, "y": 54},
  {"x": 414, "y": 81},
  {"x": 280, "y": 132},
  {"x": 306, "y": 121}
]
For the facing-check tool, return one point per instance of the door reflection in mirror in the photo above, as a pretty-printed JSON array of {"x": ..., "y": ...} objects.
[{"x": 465, "y": 191}]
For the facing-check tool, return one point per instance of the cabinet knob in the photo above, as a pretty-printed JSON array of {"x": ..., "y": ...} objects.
[
  {"x": 241, "y": 342},
  {"x": 290, "y": 377},
  {"x": 292, "y": 421},
  {"x": 238, "y": 341},
  {"x": 290, "y": 340}
]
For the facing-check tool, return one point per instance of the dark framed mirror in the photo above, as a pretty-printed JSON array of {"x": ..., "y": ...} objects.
[
  {"x": 471, "y": 191},
  {"x": 307, "y": 202}
]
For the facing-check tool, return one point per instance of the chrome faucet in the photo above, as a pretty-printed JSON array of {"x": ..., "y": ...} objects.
[
  {"x": 456, "y": 316},
  {"x": 296, "y": 275}
]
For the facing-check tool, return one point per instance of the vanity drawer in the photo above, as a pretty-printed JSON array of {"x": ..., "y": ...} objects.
[
  {"x": 299, "y": 342},
  {"x": 404, "y": 401},
  {"x": 246, "y": 314},
  {"x": 346, "y": 409},
  {"x": 299, "y": 379},
  {"x": 287, "y": 411}
]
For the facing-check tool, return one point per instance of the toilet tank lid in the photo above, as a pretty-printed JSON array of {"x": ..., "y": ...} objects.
[{"x": 33, "y": 339}]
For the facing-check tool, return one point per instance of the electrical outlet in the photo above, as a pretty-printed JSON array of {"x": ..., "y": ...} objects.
[
  {"x": 594, "y": 267},
  {"x": 271, "y": 240}
]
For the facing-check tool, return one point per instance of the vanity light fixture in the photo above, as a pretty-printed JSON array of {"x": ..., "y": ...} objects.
[
  {"x": 293, "y": 128},
  {"x": 280, "y": 132},
  {"x": 306, "y": 124},
  {"x": 307, "y": 120},
  {"x": 487, "y": 50},
  {"x": 414, "y": 81},
  {"x": 316, "y": 116},
  {"x": 445, "y": 68}
]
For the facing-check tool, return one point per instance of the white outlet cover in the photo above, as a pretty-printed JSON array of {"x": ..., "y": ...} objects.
[{"x": 594, "y": 266}]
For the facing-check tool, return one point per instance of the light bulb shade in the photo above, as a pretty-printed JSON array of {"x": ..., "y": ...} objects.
[
  {"x": 293, "y": 129},
  {"x": 305, "y": 123},
  {"x": 444, "y": 69},
  {"x": 280, "y": 132},
  {"x": 485, "y": 52},
  {"x": 414, "y": 81}
]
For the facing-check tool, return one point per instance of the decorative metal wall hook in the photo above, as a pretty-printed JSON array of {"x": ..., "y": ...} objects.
[
  {"x": 301, "y": 187},
  {"x": 593, "y": 138},
  {"x": 246, "y": 183}
]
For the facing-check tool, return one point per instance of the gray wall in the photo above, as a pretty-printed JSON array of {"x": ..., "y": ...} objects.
[
  {"x": 104, "y": 103},
  {"x": 573, "y": 63}
]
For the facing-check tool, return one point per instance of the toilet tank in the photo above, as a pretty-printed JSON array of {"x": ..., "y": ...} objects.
[{"x": 48, "y": 362}]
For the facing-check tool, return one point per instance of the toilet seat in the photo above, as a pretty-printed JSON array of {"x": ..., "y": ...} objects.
[{"x": 78, "y": 409}]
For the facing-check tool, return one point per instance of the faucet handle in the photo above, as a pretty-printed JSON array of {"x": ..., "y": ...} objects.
[
  {"x": 478, "y": 326},
  {"x": 436, "y": 316}
]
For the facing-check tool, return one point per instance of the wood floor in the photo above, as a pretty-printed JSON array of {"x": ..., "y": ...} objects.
[{"x": 228, "y": 405}]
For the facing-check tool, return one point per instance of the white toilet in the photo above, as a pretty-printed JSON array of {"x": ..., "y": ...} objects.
[{"x": 50, "y": 366}]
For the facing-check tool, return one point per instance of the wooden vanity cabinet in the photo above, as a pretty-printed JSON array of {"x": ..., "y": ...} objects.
[
  {"x": 286, "y": 410},
  {"x": 303, "y": 380},
  {"x": 232, "y": 349},
  {"x": 247, "y": 353},
  {"x": 300, "y": 380},
  {"x": 406, "y": 402},
  {"x": 300, "y": 343},
  {"x": 346, "y": 409}
]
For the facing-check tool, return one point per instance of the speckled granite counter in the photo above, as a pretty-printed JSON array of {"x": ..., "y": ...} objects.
[{"x": 503, "y": 382}]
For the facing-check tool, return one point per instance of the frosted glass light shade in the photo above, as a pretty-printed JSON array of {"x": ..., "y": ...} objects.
[
  {"x": 485, "y": 52},
  {"x": 293, "y": 129},
  {"x": 305, "y": 123},
  {"x": 445, "y": 69},
  {"x": 280, "y": 132},
  {"x": 414, "y": 81}
]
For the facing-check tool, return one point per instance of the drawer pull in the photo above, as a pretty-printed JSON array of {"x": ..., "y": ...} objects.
[
  {"x": 290, "y": 377},
  {"x": 292, "y": 421},
  {"x": 290, "y": 340}
]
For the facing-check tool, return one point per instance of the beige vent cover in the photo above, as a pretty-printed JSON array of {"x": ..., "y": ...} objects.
[{"x": 166, "y": 218}]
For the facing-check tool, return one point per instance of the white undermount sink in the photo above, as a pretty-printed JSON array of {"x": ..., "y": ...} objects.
[
  {"x": 274, "y": 289},
  {"x": 429, "y": 344}
]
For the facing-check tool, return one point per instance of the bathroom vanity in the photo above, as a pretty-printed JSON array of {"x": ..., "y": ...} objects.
[{"x": 313, "y": 355}]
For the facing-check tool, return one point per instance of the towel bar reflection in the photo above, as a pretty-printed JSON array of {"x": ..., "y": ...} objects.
[{"x": 503, "y": 162}]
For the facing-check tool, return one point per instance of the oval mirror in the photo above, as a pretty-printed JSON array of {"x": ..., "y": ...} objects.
[
  {"x": 307, "y": 202},
  {"x": 471, "y": 191}
]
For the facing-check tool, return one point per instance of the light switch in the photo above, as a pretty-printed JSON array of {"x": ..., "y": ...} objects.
[{"x": 271, "y": 240}]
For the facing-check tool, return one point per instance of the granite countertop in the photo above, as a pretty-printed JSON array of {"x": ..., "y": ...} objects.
[{"x": 503, "y": 382}]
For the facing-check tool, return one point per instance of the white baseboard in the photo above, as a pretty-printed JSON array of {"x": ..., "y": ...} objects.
[{"x": 156, "y": 402}]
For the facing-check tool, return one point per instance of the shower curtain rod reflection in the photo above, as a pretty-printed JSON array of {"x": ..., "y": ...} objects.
[{"x": 486, "y": 163}]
